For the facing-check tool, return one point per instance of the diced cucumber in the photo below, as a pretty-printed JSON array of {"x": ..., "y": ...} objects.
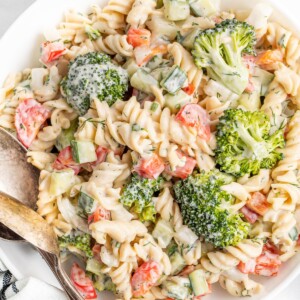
[
  {"x": 175, "y": 102},
  {"x": 66, "y": 136},
  {"x": 131, "y": 67},
  {"x": 143, "y": 81},
  {"x": 163, "y": 232},
  {"x": 177, "y": 263},
  {"x": 264, "y": 77},
  {"x": 175, "y": 290},
  {"x": 160, "y": 73},
  {"x": 61, "y": 182},
  {"x": 86, "y": 203},
  {"x": 199, "y": 283},
  {"x": 93, "y": 266},
  {"x": 188, "y": 41},
  {"x": 176, "y": 10},
  {"x": 174, "y": 80},
  {"x": 293, "y": 234},
  {"x": 83, "y": 151},
  {"x": 203, "y": 8}
]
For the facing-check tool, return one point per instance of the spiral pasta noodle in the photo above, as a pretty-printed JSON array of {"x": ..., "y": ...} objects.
[
  {"x": 148, "y": 249},
  {"x": 45, "y": 83},
  {"x": 112, "y": 17},
  {"x": 41, "y": 160},
  {"x": 120, "y": 276},
  {"x": 139, "y": 12},
  {"x": 184, "y": 60},
  {"x": 218, "y": 261},
  {"x": 61, "y": 115},
  {"x": 46, "y": 203},
  {"x": 158, "y": 132},
  {"x": 73, "y": 27},
  {"x": 246, "y": 287},
  {"x": 114, "y": 44}
]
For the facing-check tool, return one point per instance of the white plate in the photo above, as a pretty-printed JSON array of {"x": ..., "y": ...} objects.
[{"x": 19, "y": 48}]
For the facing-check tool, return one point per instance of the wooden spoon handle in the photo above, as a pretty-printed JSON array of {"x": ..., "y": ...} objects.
[{"x": 55, "y": 265}]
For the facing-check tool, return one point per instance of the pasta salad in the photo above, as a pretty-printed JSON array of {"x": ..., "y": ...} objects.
[{"x": 167, "y": 135}]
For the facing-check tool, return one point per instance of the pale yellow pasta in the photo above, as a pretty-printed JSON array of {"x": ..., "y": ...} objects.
[
  {"x": 132, "y": 113},
  {"x": 218, "y": 261},
  {"x": 8, "y": 111},
  {"x": 144, "y": 124},
  {"x": 283, "y": 223},
  {"x": 184, "y": 60},
  {"x": 124, "y": 252},
  {"x": 45, "y": 83},
  {"x": 277, "y": 36},
  {"x": 239, "y": 192},
  {"x": 275, "y": 97},
  {"x": 192, "y": 23},
  {"x": 41, "y": 160},
  {"x": 259, "y": 182},
  {"x": 154, "y": 294},
  {"x": 140, "y": 12},
  {"x": 118, "y": 230},
  {"x": 240, "y": 288},
  {"x": 102, "y": 133},
  {"x": 73, "y": 27},
  {"x": 13, "y": 97},
  {"x": 112, "y": 18},
  {"x": 114, "y": 44},
  {"x": 46, "y": 203},
  {"x": 85, "y": 47},
  {"x": 168, "y": 208},
  {"x": 148, "y": 249},
  {"x": 292, "y": 52},
  {"x": 120, "y": 276},
  {"x": 61, "y": 115},
  {"x": 61, "y": 226}
]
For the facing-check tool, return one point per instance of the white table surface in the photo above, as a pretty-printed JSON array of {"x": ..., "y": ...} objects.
[{"x": 9, "y": 11}]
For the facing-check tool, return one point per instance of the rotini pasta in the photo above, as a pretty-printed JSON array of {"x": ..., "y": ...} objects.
[
  {"x": 167, "y": 143},
  {"x": 114, "y": 44}
]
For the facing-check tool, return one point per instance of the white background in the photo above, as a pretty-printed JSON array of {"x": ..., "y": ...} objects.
[{"x": 9, "y": 11}]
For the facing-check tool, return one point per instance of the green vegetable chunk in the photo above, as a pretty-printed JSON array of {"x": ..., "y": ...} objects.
[
  {"x": 138, "y": 194},
  {"x": 220, "y": 51},
  {"x": 83, "y": 151},
  {"x": 82, "y": 242},
  {"x": 66, "y": 136},
  {"x": 94, "y": 76},
  {"x": 244, "y": 143},
  {"x": 204, "y": 207},
  {"x": 86, "y": 203},
  {"x": 199, "y": 283}
]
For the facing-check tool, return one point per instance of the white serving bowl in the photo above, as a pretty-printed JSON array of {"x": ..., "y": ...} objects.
[{"x": 19, "y": 48}]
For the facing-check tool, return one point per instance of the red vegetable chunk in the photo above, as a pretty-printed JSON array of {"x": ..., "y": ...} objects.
[{"x": 29, "y": 118}]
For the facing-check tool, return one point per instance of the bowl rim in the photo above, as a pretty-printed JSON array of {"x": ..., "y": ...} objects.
[{"x": 282, "y": 10}]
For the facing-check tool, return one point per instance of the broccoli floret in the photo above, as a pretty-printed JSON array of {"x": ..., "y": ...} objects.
[
  {"x": 81, "y": 242},
  {"x": 204, "y": 207},
  {"x": 93, "y": 76},
  {"x": 244, "y": 143},
  {"x": 220, "y": 50},
  {"x": 138, "y": 194}
]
